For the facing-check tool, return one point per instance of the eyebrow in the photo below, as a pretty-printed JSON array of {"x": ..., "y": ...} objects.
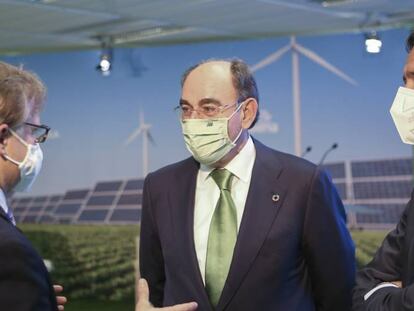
[{"x": 203, "y": 101}]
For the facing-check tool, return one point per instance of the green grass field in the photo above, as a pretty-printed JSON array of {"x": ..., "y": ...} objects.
[
  {"x": 96, "y": 264},
  {"x": 366, "y": 244}
]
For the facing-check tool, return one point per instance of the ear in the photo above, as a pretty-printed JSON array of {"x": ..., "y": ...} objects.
[
  {"x": 4, "y": 134},
  {"x": 249, "y": 112}
]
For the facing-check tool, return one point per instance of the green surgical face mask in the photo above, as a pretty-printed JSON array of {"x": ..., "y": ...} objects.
[{"x": 208, "y": 139}]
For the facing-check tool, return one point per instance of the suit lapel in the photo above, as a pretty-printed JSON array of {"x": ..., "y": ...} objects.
[
  {"x": 263, "y": 202},
  {"x": 181, "y": 199}
]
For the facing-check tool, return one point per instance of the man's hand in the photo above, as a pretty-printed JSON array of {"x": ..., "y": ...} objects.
[
  {"x": 143, "y": 303},
  {"x": 397, "y": 283},
  {"x": 61, "y": 300}
]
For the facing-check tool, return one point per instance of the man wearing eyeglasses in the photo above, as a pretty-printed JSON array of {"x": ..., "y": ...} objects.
[
  {"x": 24, "y": 280},
  {"x": 239, "y": 226}
]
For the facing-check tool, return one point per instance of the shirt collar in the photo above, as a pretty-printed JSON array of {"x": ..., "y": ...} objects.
[
  {"x": 3, "y": 201},
  {"x": 237, "y": 166}
]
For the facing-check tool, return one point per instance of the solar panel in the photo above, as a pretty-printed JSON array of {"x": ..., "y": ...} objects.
[
  {"x": 102, "y": 200},
  {"x": 130, "y": 199},
  {"x": 29, "y": 219},
  {"x": 19, "y": 209},
  {"x": 392, "y": 167},
  {"x": 108, "y": 186},
  {"x": 55, "y": 198},
  {"x": 385, "y": 213},
  {"x": 76, "y": 194},
  {"x": 383, "y": 189},
  {"x": 134, "y": 184},
  {"x": 40, "y": 199},
  {"x": 50, "y": 208},
  {"x": 68, "y": 209},
  {"x": 25, "y": 200},
  {"x": 46, "y": 219},
  {"x": 36, "y": 208},
  {"x": 93, "y": 215},
  {"x": 64, "y": 221},
  {"x": 130, "y": 215}
]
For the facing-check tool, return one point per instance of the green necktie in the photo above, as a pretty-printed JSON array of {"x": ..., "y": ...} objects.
[{"x": 221, "y": 238}]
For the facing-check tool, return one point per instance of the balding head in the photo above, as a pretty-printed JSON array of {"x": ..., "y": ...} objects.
[{"x": 234, "y": 75}]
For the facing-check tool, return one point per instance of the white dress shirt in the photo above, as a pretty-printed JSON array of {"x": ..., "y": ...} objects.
[
  {"x": 4, "y": 206},
  {"x": 208, "y": 193}
]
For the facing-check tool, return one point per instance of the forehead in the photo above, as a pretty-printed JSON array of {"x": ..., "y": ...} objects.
[{"x": 209, "y": 80}]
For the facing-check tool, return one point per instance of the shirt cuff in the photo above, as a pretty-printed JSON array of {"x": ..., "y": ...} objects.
[{"x": 381, "y": 285}]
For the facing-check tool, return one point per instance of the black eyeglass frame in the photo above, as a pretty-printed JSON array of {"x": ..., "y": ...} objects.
[{"x": 42, "y": 138}]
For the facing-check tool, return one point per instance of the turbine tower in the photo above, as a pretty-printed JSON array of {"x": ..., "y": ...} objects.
[
  {"x": 144, "y": 130},
  {"x": 297, "y": 49}
]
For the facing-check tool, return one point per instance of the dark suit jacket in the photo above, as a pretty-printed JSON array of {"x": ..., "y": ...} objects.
[
  {"x": 292, "y": 254},
  {"x": 24, "y": 280},
  {"x": 394, "y": 261}
]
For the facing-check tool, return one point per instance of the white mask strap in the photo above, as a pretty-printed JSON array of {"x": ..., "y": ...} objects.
[
  {"x": 23, "y": 142},
  {"x": 18, "y": 138}
]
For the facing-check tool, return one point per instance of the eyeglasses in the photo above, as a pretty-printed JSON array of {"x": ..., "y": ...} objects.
[
  {"x": 40, "y": 132},
  {"x": 207, "y": 110}
]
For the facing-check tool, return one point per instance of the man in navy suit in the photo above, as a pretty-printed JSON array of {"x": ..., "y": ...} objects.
[
  {"x": 239, "y": 226},
  {"x": 24, "y": 280},
  {"x": 387, "y": 282}
]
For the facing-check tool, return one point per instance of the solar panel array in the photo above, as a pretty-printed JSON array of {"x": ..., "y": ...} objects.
[
  {"x": 381, "y": 187},
  {"x": 110, "y": 202}
]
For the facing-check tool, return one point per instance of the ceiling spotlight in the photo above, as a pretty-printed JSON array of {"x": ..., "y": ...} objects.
[
  {"x": 104, "y": 65},
  {"x": 373, "y": 43},
  {"x": 105, "y": 60}
]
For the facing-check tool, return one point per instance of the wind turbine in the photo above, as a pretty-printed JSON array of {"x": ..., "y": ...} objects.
[
  {"x": 144, "y": 130},
  {"x": 297, "y": 49}
]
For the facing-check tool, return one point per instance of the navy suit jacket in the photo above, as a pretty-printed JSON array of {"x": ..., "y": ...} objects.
[
  {"x": 292, "y": 253},
  {"x": 24, "y": 280},
  {"x": 394, "y": 261}
]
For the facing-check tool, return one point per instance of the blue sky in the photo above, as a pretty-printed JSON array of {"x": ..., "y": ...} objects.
[{"x": 94, "y": 115}]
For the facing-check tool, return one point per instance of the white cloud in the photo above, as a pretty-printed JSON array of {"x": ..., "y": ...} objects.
[{"x": 265, "y": 123}]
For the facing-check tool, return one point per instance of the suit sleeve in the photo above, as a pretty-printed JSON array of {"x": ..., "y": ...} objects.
[
  {"x": 386, "y": 267},
  {"x": 329, "y": 249},
  {"x": 150, "y": 254},
  {"x": 24, "y": 284}
]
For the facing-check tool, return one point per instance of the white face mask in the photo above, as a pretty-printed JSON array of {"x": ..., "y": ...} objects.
[
  {"x": 208, "y": 139},
  {"x": 30, "y": 166},
  {"x": 402, "y": 112}
]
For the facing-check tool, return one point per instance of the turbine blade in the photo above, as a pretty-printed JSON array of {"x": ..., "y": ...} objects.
[
  {"x": 133, "y": 135},
  {"x": 320, "y": 61},
  {"x": 150, "y": 138},
  {"x": 270, "y": 59}
]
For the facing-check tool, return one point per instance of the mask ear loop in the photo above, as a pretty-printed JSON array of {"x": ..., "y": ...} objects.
[
  {"x": 24, "y": 143},
  {"x": 241, "y": 130}
]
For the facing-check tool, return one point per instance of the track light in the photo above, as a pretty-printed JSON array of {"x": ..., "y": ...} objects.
[
  {"x": 105, "y": 60},
  {"x": 373, "y": 43},
  {"x": 104, "y": 65}
]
